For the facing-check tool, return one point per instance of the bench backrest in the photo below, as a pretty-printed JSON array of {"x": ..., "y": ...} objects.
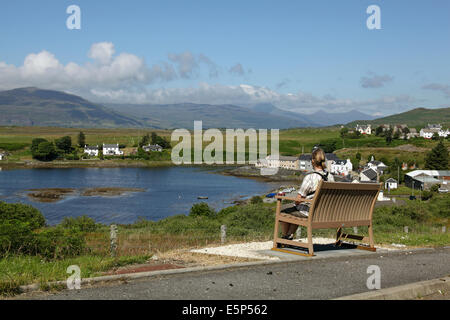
[{"x": 344, "y": 202}]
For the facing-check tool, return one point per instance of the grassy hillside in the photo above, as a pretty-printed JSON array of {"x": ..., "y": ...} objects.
[
  {"x": 413, "y": 118},
  {"x": 36, "y": 107}
]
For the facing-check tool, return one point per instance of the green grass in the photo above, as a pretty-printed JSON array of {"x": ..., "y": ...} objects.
[{"x": 22, "y": 270}]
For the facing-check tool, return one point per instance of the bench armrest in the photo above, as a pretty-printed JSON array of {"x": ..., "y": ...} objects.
[{"x": 291, "y": 199}]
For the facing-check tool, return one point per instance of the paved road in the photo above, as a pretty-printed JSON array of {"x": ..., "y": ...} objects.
[{"x": 308, "y": 279}]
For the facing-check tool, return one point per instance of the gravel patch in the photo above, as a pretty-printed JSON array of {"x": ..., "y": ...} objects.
[{"x": 251, "y": 249}]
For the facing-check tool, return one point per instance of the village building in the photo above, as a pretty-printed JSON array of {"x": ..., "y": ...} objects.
[
  {"x": 91, "y": 150},
  {"x": 412, "y": 133},
  {"x": 368, "y": 175},
  {"x": 152, "y": 147},
  {"x": 112, "y": 150},
  {"x": 341, "y": 167},
  {"x": 2, "y": 156},
  {"x": 425, "y": 179},
  {"x": 378, "y": 166},
  {"x": 391, "y": 184},
  {"x": 429, "y": 131},
  {"x": 305, "y": 163},
  {"x": 364, "y": 129},
  {"x": 285, "y": 162}
]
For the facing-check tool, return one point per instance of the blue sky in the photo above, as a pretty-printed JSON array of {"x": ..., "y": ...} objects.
[{"x": 299, "y": 55}]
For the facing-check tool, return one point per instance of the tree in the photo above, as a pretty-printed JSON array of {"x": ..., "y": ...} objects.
[
  {"x": 46, "y": 152},
  {"x": 437, "y": 158},
  {"x": 397, "y": 135},
  {"x": 202, "y": 209},
  {"x": 355, "y": 164},
  {"x": 389, "y": 137},
  {"x": 378, "y": 131},
  {"x": 81, "y": 139},
  {"x": 35, "y": 144},
  {"x": 64, "y": 144},
  {"x": 328, "y": 146},
  {"x": 344, "y": 132},
  {"x": 154, "y": 137},
  {"x": 358, "y": 156},
  {"x": 435, "y": 136},
  {"x": 145, "y": 140}
]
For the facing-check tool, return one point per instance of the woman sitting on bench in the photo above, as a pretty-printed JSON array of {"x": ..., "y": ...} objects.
[{"x": 309, "y": 185}]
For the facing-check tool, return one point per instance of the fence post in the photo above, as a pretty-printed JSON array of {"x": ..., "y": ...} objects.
[
  {"x": 113, "y": 240},
  {"x": 355, "y": 230},
  {"x": 405, "y": 229},
  {"x": 223, "y": 234},
  {"x": 444, "y": 229}
]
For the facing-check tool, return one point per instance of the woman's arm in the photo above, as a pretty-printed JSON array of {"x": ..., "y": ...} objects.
[{"x": 299, "y": 199}]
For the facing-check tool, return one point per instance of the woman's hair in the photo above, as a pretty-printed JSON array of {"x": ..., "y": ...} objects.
[{"x": 318, "y": 158}]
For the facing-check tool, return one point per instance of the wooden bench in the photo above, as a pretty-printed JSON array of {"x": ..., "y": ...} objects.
[{"x": 335, "y": 205}]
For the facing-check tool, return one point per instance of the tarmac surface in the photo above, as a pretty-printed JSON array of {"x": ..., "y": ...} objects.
[{"x": 328, "y": 277}]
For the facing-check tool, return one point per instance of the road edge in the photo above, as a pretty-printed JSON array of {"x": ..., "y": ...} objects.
[{"x": 405, "y": 292}]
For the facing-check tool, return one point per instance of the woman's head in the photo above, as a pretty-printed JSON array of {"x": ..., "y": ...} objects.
[{"x": 318, "y": 158}]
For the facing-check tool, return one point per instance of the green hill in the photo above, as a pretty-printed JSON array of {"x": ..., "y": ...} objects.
[
  {"x": 37, "y": 107},
  {"x": 413, "y": 118}
]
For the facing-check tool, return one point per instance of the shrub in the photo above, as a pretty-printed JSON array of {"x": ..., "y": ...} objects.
[
  {"x": 426, "y": 195},
  {"x": 82, "y": 223},
  {"x": 256, "y": 200},
  {"x": 57, "y": 243},
  {"x": 21, "y": 213},
  {"x": 201, "y": 210},
  {"x": 15, "y": 236}
]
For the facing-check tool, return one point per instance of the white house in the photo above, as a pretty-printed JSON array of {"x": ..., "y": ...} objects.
[
  {"x": 428, "y": 133},
  {"x": 341, "y": 167},
  {"x": 153, "y": 147},
  {"x": 431, "y": 129},
  {"x": 391, "y": 184},
  {"x": 364, "y": 129},
  {"x": 376, "y": 165},
  {"x": 2, "y": 156},
  {"x": 91, "y": 151},
  {"x": 112, "y": 150}
]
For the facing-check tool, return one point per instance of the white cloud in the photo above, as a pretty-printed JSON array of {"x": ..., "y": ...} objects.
[
  {"x": 102, "y": 52},
  {"x": 247, "y": 95},
  {"x": 108, "y": 71}
]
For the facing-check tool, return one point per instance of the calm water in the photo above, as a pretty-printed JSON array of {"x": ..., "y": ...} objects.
[{"x": 169, "y": 191}]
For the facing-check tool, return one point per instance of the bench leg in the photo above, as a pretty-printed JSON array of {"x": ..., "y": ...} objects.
[
  {"x": 371, "y": 241},
  {"x": 310, "y": 242},
  {"x": 338, "y": 236},
  {"x": 277, "y": 224}
]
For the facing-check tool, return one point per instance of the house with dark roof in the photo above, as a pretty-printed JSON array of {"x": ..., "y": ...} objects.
[
  {"x": 306, "y": 165},
  {"x": 368, "y": 175},
  {"x": 153, "y": 147},
  {"x": 91, "y": 150},
  {"x": 376, "y": 165}
]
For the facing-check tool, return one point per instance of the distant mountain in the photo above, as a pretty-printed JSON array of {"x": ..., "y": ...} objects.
[
  {"x": 183, "y": 115},
  {"x": 415, "y": 117},
  {"x": 37, "y": 107},
  {"x": 329, "y": 119},
  {"x": 317, "y": 119},
  {"x": 272, "y": 110}
]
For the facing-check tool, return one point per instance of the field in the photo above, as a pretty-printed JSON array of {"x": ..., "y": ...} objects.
[{"x": 292, "y": 142}]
